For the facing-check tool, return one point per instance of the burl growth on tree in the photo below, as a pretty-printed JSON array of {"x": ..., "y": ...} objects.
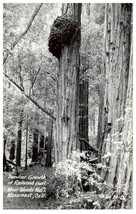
[{"x": 63, "y": 30}]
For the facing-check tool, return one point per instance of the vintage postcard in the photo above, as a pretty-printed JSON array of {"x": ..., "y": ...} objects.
[{"x": 67, "y": 106}]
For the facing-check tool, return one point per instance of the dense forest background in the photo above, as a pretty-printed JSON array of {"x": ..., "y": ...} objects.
[{"x": 67, "y": 101}]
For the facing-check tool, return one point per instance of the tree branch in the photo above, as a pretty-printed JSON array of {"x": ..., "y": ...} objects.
[
  {"x": 65, "y": 8},
  {"x": 91, "y": 146},
  {"x": 24, "y": 32},
  {"x": 11, "y": 162},
  {"x": 93, "y": 160},
  {"x": 33, "y": 82},
  {"x": 28, "y": 97},
  {"x": 85, "y": 72},
  {"x": 20, "y": 75}
]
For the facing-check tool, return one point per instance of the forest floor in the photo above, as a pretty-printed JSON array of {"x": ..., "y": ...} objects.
[
  {"x": 38, "y": 203},
  {"x": 24, "y": 203}
]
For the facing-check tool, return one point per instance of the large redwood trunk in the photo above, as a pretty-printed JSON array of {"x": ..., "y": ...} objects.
[
  {"x": 115, "y": 131},
  {"x": 124, "y": 181},
  {"x": 83, "y": 107},
  {"x": 68, "y": 92}
]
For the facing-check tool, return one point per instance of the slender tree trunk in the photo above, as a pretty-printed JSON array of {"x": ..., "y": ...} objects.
[
  {"x": 100, "y": 132},
  {"x": 35, "y": 146},
  {"x": 42, "y": 139},
  {"x": 49, "y": 145},
  {"x": 68, "y": 92},
  {"x": 26, "y": 146},
  {"x": 19, "y": 139},
  {"x": 83, "y": 108},
  {"x": 12, "y": 150},
  {"x": 4, "y": 154},
  {"x": 116, "y": 129}
]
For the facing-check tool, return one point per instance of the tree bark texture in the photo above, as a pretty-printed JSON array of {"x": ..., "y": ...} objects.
[
  {"x": 124, "y": 182},
  {"x": 100, "y": 132},
  {"x": 83, "y": 107},
  {"x": 19, "y": 139},
  {"x": 115, "y": 133},
  {"x": 67, "y": 121}
]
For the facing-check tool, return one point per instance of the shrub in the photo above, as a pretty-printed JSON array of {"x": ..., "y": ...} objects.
[
  {"x": 72, "y": 176},
  {"x": 75, "y": 174}
]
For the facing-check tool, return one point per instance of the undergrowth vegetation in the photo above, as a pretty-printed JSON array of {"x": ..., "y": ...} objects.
[
  {"x": 72, "y": 184},
  {"x": 81, "y": 182}
]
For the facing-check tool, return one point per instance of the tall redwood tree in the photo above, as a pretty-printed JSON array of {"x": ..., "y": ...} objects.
[
  {"x": 64, "y": 43},
  {"x": 115, "y": 122}
]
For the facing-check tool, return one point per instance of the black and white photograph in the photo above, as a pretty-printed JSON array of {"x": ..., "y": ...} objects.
[{"x": 67, "y": 106}]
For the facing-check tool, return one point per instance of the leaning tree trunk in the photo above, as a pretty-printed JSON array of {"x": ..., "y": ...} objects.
[
  {"x": 116, "y": 129},
  {"x": 83, "y": 107},
  {"x": 64, "y": 43},
  {"x": 19, "y": 139}
]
